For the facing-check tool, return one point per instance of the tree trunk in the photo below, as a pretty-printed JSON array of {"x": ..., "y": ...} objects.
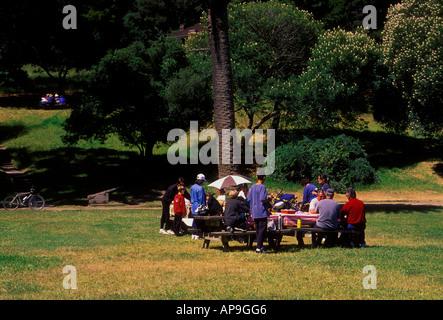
[
  {"x": 276, "y": 120},
  {"x": 224, "y": 114}
]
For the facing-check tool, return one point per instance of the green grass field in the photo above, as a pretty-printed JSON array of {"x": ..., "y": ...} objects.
[{"x": 118, "y": 254}]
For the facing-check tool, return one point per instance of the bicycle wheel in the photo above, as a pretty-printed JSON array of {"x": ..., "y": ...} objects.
[
  {"x": 36, "y": 202},
  {"x": 11, "y": 203}
]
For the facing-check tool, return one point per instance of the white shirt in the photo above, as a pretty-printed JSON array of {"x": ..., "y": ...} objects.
[{"x": 313, "y": 204}]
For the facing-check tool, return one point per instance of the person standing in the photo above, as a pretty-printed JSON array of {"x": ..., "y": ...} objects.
[
  {"x": 179, "y": 209},
  {"x": 258, "y": 200},
  {"x": 353, "y": 212},
  {"x": 328, "y": 212},
  {"x": 168, "y": 197},
  {"x": 198, "y": 198},
  {"x": 323, "y": 181}
]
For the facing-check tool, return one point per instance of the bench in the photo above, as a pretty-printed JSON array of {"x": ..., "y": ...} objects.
[
  {"x": 274, "y": 237},
  {"x": 212, "y": 229}
]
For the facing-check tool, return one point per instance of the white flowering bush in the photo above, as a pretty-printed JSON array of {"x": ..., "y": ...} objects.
[
  {"x": 338, "y": 82},
  {"x": 413, "y": 52}
]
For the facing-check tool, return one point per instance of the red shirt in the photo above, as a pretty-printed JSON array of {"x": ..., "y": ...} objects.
[
  {"x": 179, "y": 204},
  {"x": 354, "y": 209}
]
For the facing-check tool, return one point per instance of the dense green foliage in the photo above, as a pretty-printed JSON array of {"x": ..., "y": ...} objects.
[
  {"x": 127, "y": 96},
  {"x": 270, "y": 42},
  {"x": 341, "y": 158}
]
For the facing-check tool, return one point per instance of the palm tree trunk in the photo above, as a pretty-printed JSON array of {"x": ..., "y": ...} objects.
[{"x": 224, "y": 114}]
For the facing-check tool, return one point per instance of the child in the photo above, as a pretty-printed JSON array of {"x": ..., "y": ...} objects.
[{"x": 179, "y": 209}]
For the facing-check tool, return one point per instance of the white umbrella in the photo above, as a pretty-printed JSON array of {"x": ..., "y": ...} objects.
[{"x": 229, "y": 181}]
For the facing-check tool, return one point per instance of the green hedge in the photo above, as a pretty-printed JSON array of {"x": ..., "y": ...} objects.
[{"x": 341, "y": 158}]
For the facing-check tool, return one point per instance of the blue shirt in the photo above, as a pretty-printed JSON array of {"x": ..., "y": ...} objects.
[
  {"x": 307, "y": 193},
  {"x": 257, "y": 193},
  {"x": 198, "y": 197}
]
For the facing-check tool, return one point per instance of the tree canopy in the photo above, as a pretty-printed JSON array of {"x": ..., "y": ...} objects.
[{"x": 129, "y": 95}]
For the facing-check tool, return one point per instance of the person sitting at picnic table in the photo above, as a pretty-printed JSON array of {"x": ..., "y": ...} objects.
[
  {"x": 235, "y": 212},
  {"x": 328, "y": 212},
  {"x": 312, "y": 207},
  {"x": 308, "y": 194},
  {"x": 50, "y": 98},
  {"x": 215, "y": 208},
  {"x": 221, "y": 197},
  {"x": 314, "y": 202},
  {"x": 166, "y": 200},
  {"x": 243, "y": 194},
  {"x": 198, "y": 198},
  {"x": 179, "y": 209},
  {"x": 259, "y": 202},
  {"x": 353, "y": 212}
]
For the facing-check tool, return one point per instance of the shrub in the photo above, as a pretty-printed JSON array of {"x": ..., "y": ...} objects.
[{"x": 341, "y": 158}]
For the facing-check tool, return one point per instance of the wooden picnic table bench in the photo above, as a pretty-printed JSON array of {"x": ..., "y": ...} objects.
[{"x": 213, "y": 229}]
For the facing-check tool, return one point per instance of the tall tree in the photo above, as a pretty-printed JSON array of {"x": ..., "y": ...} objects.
[{"x": 224, "y": 114}]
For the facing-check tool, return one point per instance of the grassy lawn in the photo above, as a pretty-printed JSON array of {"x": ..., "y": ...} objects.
[{"x": 118, "y": 254}]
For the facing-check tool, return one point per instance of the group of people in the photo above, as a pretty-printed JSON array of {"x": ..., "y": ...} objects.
[
  {"x": 53, "y": 99},
  {"x": 350, "y": 216},
  {"x": 237, "y": 204}
]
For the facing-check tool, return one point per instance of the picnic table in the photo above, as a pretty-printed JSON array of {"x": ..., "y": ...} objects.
[{"x": 213, "y": 228}]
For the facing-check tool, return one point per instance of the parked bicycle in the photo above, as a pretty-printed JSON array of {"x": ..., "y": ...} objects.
[{"x": 23, "y": 199}]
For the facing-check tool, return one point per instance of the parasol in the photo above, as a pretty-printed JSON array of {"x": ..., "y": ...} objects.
[{"x": 229, "y": 181}]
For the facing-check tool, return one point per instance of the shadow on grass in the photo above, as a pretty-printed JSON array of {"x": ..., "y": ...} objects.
[
  {"x": 66, "y": 176},
  {"x": 401, "y": 207},
  {"x": 11, "y": 132}
]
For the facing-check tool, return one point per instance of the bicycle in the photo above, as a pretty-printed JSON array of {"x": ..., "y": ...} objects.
[{"x": 34, "y": 201}]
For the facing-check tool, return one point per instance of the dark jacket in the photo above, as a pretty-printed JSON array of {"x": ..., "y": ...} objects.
[
  {"x": 233, "y": 209},
  {"x": 171, "y": 192},
  {"x": 214, "y": 206}
]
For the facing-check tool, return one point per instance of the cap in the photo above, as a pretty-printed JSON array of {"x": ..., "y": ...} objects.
[
  {"x": 201, "y": 176},
  {"x": 329, "y": 192}
]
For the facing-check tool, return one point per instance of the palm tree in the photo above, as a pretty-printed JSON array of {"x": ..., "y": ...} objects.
[{"x": 224, "y": 114}]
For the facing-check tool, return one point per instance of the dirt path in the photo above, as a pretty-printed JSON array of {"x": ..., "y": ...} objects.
[{"x": 370, "y": 206}]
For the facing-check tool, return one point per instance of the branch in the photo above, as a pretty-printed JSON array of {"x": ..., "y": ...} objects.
[{"x": 264, "y": 119}]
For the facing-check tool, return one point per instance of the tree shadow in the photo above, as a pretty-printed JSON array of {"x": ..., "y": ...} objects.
[
  {"x": 401, "y": 207},
  {"x": 66, "y": 176},
  {"x": 438, "y": 169},
  {"x": 11, "y": 132}
]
